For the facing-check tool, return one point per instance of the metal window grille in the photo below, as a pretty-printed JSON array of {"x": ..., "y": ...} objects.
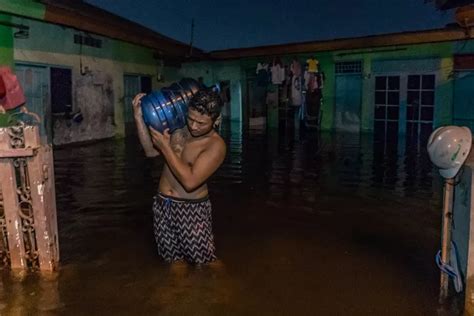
[
  {"x": 348, "y": 67},
  {"x": 87, "y": 41}
]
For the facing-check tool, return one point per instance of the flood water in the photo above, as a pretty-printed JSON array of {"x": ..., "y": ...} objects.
[{"x": 314, "y": 224}]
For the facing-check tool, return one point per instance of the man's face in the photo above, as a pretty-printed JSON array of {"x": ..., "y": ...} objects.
[{"x": 199, "y": 124}]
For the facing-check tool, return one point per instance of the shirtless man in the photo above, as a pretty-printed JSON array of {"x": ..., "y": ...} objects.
[{"x": 182, "y": 210}]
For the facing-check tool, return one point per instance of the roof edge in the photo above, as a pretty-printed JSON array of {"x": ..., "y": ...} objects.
[{"x": 381, "y": 40}]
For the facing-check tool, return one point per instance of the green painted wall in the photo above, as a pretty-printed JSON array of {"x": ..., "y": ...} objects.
[
  {"x": 399, "y": 54},
  {"x": 220, "y": 71},
  {"x": 6, "y": 42},
  {"x": 27, "y": 8},
  {"x": 6, "y": 55},
  {"x": 441, "y": 52},
  {"x": 53, "y": 45},
  {"x": 170, "y": 75},
  {"x": 61, "y": 40}
]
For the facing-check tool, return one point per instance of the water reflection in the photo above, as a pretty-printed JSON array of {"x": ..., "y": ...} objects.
[
  {"x": 304, "y": 223},
  {"x": 29, "y": 294},
  {"x": 296, "y": 168}
]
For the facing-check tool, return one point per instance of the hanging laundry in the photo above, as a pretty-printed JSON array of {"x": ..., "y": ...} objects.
[
  {"x": 311, "y": 81},
  {"x": 306, "y": 79},
  {"x": 11, "y": 92},
  {"x": 287, "y": 79},
  {"x": 261, "y": 66},
  {"x": 283, "y": 72},
  {"x": 262, "y": 75},
  {"x": 296, "y": 97},
  {"x": 295, "y": 68},
  {"x": 313, "y": 104},
  {"x": 313, "y": 65},
  {"x": 272, "y": 98},
  {"x": 284, "y": 95},
  {"x": 320, "y": 80},
  {"x": 278, "y": 74}
]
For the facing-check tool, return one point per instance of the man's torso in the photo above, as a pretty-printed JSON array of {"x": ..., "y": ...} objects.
[{"x": 188, "y": 149}]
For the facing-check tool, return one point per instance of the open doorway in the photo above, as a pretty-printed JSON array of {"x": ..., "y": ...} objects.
[
  {"x": 225, "y": 96},
  {"x": 256, "y": 101}
]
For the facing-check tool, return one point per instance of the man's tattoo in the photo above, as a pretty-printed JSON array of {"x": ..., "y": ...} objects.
[{"x": 178, "y": 139}]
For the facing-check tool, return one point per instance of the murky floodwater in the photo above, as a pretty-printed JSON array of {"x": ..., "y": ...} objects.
[{"x": 304, "y": 225}]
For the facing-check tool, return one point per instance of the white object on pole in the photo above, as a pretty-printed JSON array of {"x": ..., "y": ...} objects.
[{"x": 448, "y": 148}]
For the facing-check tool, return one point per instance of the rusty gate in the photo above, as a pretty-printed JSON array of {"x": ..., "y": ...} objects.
[{"x": 28, "y": 224}]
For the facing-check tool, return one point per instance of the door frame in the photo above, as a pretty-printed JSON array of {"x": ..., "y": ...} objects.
[
  {"x": 137, "y": 76},
  {"x": 46, "y": 113},
  {"x": 360, "y": 101}
]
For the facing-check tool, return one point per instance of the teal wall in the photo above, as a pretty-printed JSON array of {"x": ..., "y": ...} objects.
[
  {"x": 53, "y": 45},
  {"x": 389, "y": 59},
  {"x": 6, "y": 42},
  {"x": 214, "y": 72},
  {"x": 61, "y": 40},
  {"x": 27, "y": 8}
]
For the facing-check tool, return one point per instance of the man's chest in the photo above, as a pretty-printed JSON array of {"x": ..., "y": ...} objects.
[
  {"x": 191, "y": 150},
  {"x": 187, "y": 148}
]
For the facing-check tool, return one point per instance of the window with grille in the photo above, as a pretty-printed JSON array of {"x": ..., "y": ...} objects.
[
  {"x": 348, "y": 67},
  {"x": 387, "y": 106},
  {"x": 420, "y": 105},
  {"x": 87, "y": 41}
]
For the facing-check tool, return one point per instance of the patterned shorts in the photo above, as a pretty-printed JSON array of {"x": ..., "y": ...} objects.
[{"x": 183, "y": 229}]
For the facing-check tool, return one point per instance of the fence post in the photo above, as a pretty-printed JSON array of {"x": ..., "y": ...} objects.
[
  {"x": 28, "y": 200},
  {"x": 8, "y": 185}
]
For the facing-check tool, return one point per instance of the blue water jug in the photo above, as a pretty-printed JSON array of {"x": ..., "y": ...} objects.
[{"x": 168, "y": 107}]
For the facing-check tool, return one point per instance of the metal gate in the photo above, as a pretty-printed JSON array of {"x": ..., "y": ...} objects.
[{"x": 28, "y": 226}]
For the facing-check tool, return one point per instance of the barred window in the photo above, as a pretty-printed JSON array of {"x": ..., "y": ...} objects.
[
  {"x": 348, "y": 67},
  {"x": 87, "y": 40}
]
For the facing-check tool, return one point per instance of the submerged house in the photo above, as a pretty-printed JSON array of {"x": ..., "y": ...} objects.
[
  {"x": 80, "y": 66},
  {"x": 73, "y": 58},
  {"x": 395, "y": 84}
]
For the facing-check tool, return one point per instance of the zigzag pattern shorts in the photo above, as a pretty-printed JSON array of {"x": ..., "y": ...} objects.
[{"x": 183, "y": 229}]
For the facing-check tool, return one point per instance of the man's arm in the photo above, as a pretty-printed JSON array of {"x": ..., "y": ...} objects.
[
  {"x": 191, "y": 177},
  {"x": 143, "y": 134}
]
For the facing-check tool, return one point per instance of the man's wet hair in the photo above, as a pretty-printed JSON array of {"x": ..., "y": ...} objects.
[{"x": 207, "y": 101}]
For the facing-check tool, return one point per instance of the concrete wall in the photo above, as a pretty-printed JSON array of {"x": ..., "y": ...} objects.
[
  {"x": 27, "y": 8},
  {"x": 50, "y": 44},
  {"x": 98, "y": 87},
  {"x": 214, "y": 72},
  {"x": 6, "y": 42},
  {"x": 393, "y": 59}
]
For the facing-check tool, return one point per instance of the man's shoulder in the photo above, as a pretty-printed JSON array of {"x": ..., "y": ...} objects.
[
  {"x": 219, "y": 139},
  {"x": 216, "y": 142}
]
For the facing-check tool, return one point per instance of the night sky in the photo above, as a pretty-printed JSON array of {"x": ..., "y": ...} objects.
[{"x": 243, "y": 23}]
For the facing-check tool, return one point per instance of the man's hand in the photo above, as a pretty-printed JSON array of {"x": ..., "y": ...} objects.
[
  {"x": 137, "y": 109},
  {"x": 143, "y": 133},
  {"x": 161, "y": 141}
]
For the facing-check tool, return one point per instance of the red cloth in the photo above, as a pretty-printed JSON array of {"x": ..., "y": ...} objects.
[{"x": 11, "y": 93}]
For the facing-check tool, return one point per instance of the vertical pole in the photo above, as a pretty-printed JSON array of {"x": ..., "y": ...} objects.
[
  {"x": 44, "y": 212},
  {"x": 469, "y": 294},
  {"x": 8, "y": 187},
  {"x": 446, "y": 236}
]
